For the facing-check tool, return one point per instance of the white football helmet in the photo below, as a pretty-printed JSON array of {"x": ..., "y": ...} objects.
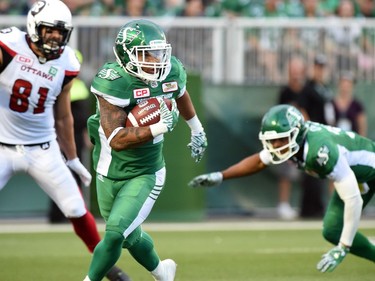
[{"x": 54, "y": 14}]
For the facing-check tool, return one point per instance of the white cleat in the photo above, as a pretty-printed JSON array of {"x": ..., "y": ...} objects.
[{"x": 165, "y": 271}]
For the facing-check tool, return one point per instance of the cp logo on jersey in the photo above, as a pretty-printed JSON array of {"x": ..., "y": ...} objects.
[
  {"x": 24, "y": 60},
  {"x": 141, "y": 93}
]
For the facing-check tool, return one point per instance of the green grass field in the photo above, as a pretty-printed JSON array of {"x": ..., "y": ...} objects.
[{"x": 217, "y": 255}]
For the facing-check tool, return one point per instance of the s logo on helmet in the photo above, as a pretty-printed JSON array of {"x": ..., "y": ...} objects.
[
  {"x": 127, "y": 35},
  {"x": 38, "y": 7},
  {"x": 293, "y": 116}
]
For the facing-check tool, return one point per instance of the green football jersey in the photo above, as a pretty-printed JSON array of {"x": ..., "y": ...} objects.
[
  {"x": 119, "y": 88},
  {"x": 326, "y": 145}
]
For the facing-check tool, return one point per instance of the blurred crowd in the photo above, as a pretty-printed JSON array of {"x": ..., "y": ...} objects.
[
  {"x": 209, "y": 8},
  {"x": 348, "y": 47}
]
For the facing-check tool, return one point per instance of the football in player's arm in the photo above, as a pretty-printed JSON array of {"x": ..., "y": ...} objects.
[
  {"x": 323, "y": 151},
  {"x": 128, "y": 161}
]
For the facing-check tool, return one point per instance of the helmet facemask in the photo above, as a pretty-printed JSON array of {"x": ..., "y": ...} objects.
[
  {"x": 283, "y": 126},
  {"x": 283, "y": 153},
  {"x": 150, "y": 62},
  {"x": 51, "y": 48}
]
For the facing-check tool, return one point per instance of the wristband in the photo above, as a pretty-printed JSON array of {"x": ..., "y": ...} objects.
[
  {"x": 343, "y": 246},
  {"x": 158, "y": 129},
  {"x": 195, "y": 125},
  {"x": 217, "y": 177}
]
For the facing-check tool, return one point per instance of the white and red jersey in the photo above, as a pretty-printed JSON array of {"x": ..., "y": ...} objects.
[{"x": 29, "y": 89}]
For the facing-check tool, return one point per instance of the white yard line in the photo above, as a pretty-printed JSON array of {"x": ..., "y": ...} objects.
[
  {"x": 271, "y": 251},
  {"x": 35, "y": 226}
]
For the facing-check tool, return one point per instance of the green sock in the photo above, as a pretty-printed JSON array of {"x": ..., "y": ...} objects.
[
  {"x": 106, "y": 254},
  {"x": 144, "y": 253},
  {"x": 362, "y": 247}
]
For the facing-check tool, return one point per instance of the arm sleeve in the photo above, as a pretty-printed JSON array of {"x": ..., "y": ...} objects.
[
  {"x": 6, "y": 59},
  {"x": 346, "y": 186}
]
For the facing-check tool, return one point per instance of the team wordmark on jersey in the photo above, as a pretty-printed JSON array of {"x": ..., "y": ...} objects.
[
  {"x": 37, "y": 72},
  {"x": 323, "y": 155},
  {"x": 108, "y": 74},
  {"x": 169, "y": 87},
  {"x": 141, "y": 93}
]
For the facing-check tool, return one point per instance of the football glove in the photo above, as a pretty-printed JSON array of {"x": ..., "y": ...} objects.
[
  {"x": 198, "y": 145},
  {"x": 175, "y": 114},
  {"x": 207, "y": 180},
  {"x": 332, "y": 258},
  {"x": 168, "y": 118},
  {"x": 76, "y": 166}
]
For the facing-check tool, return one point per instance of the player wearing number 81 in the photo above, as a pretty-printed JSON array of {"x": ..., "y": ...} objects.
[{"x": 36, "y": 73}]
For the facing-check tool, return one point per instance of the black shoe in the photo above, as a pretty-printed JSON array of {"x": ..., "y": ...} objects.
[{"x": 116, "y": 274}]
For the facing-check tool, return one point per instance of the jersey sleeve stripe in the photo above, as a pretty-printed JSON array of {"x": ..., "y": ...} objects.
[
  {"x": 7, "y": 49},
  {"x": 71, "y": 73}
]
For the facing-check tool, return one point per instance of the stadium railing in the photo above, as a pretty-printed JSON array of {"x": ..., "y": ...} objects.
[{"x": 241, "y": 50}]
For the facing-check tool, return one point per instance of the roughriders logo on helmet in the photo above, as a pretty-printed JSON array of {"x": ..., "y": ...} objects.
[{"x": 127, "y": 36}]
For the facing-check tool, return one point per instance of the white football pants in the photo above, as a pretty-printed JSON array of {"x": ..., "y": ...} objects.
[{"x": 48, "y": 169}]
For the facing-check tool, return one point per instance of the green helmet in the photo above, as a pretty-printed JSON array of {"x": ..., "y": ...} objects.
[
  {"x": 282, "y": 121},
  {"x": 142, "y": 50}
]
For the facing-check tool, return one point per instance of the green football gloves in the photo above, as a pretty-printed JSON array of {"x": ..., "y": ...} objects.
[
  {"x": 168, "y": 118},
  {"x": 207, "y": 180},
  {"x": 198, "y": 145},
  {"x": 332, "y": 258},
  {"x": 175, "y": 112}
]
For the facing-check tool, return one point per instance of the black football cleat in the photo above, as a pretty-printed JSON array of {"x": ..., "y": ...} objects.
[{"x": 116, "y": 274}]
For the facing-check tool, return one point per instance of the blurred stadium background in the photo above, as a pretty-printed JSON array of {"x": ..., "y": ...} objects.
[{"x": 232, "y": 83}]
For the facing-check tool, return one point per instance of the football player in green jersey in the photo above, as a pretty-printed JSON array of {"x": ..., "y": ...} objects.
[
  {"x": 128, "y": 161},
  {"x": 346, "y": 158}
]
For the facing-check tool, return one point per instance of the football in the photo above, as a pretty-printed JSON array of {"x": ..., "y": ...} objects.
[{"x": 146, "y": 113}]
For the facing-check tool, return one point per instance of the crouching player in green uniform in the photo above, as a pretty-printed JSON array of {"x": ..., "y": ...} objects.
[
  {"x": 129, "y": 163},
  {"x": 346, "y": 158}
]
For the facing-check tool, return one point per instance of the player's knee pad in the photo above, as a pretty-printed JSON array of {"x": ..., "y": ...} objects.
[
  {"x": 133, "y": 238},
  {"x": 113, "y": 239},
  {"x": 73, "y": 208}
]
